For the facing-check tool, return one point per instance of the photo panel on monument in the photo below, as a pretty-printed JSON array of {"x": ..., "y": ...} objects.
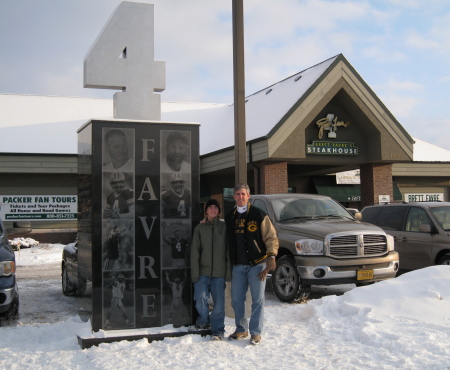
[
  {"x": 118, "y": 300},
  {"x": 118, "y": 149},
  {"x": 175, "y": 151},
  {"x": 118, "y": 195},
  {"x": 118, "y": 245},
  {"x": 176, "y": 243},
  {"x": 176, "y": 200},
  {"x": 177, "y": 298}
]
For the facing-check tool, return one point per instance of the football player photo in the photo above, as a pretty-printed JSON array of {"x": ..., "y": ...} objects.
[
  {"x": 120, "y": 202},
  {"x": 118, "y": 246},
  {"x": 175, "y": 307},
  {"x": 118, "y": 315},
  {"x": 176, "y": 201},
  {"x": 118, "y": 150},
  {"x": 176, "y": 244},
  {"x": 176, "y": 151}
]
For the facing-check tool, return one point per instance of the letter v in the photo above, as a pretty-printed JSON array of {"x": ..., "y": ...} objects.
[{"x": 145, "y": 225}]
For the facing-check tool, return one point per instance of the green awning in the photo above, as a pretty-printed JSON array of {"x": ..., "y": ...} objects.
[{"x": 326, "y": 185}]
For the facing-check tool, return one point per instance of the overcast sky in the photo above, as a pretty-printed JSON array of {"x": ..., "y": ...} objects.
[{"x": 401, "y": 48}]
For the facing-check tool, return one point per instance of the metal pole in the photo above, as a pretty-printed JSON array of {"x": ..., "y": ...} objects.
[{"x": 239, "y": 93}]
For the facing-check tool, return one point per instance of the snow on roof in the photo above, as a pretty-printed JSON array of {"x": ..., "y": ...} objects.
[
  {"x": 49, "y": 124},
  {"x": 263, "y": 110},
  {"x": 427, "y": 152}
]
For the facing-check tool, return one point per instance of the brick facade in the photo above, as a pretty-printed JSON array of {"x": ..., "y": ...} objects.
[
  {"x": 304, "y": 184},
  {"x": 273, "y": 178},
  {"x": 376, "y": 179}
]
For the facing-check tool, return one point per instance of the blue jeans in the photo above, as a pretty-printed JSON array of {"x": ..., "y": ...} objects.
[
  {"x": 244, "y": 276},
  {"x": 202, "y": 289}
]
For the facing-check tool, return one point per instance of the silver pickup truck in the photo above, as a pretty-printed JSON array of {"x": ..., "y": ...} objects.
[{"x": 321, "y": 243}]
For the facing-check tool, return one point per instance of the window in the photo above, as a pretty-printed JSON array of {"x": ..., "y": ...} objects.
[
  {"x": 260, "y": 204},
  {"x": 416, "y": 217},
  {"x": 370, "y": 215},
  {"x": 392, "y": 218}
]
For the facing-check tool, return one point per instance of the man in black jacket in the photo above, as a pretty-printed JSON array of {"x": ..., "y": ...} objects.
[{"x": 253, "y": 246}]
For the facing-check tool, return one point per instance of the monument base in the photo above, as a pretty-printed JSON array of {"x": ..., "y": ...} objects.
[{"x": 130, "y": 335}]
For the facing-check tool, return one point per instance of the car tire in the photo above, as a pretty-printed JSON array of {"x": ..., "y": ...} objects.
[
  {"x": 67, "y": 286},
  {"x": 445, "y": 259},
  {"x": 12, "y": 314},
  {"x": 286, "y": 282}
]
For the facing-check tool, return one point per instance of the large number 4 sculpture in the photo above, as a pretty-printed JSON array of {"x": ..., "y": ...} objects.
[{"x": 122, "y": 58}]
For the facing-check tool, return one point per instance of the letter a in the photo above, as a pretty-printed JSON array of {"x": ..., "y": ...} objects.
[{"x": 147, "y": 189}]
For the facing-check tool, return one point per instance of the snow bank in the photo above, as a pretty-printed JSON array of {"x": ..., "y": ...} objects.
[
  {"x": 400, "y": 323},
  {"x": 39, "y": 255}
]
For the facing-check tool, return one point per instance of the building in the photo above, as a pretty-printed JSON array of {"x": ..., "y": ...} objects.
[{"x": 301, "y": 131}]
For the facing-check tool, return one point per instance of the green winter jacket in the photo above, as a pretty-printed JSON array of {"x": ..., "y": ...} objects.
[{"x": 209, "y": 254}]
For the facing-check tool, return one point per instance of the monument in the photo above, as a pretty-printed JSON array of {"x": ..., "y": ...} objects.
[{"x": 138, "y": 185}]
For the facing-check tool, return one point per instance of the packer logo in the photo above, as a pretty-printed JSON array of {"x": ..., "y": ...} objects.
[{"x": 252, "y": 226}]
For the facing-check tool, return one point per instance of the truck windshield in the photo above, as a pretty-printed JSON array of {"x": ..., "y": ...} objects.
[
  {"x": 442, "y": 215},
  {"x": 294, "y": 208}
]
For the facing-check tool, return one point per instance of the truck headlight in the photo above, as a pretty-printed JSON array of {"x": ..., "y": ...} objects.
[
  {"x": 7, "y": 268},
  {"x": 309, "y": 246},
  {"x": 390, "y": 242}
]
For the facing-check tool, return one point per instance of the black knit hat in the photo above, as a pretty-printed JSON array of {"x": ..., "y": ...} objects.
[{"x": 212, "y": 202}]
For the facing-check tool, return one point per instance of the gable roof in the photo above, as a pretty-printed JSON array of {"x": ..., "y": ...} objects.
[{"x": 264, "y": 110}]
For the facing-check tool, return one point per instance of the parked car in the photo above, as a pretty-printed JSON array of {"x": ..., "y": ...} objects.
[
  {"x": 9, "y": 291},
  {"x": 322, "y": 244},
  {"x": 72, "y": 282},
  {"x": 421, "y": 231}
]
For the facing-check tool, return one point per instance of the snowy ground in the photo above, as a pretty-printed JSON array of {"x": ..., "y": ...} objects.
[{"x": 402, "y": 323}]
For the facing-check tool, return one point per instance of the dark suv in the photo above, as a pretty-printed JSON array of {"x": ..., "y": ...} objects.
[
  {"x": 421, "y": 231},
  {"x": 9, "y": 292},
  {"x": 321, "y": 243}
]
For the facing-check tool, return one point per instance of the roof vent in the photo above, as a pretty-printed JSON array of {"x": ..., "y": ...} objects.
[
  {"x": 268, "y": 91},
  {"x": 297, "y": 78}
]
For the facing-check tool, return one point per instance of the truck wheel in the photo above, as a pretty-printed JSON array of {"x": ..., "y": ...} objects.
[
  {"x": 286, "y": 283},
  {"x": 67, "y": 287},
  {"x": 445, "y": 260}
]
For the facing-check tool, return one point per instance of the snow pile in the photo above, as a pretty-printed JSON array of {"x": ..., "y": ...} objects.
[
  {"x": 18, "y": 243},
  {"x": 39, "y": 255},
  {"x": 400, "y": 323}
]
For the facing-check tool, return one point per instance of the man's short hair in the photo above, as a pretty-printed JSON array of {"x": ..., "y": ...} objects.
[
  {"x": 241, "y": 186},
  {"x": 176, "y": 136},
  {"x": 114, "y": 132}
]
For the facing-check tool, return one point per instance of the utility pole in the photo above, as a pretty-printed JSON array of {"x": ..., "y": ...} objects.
[{"x": 239, "y": 93}]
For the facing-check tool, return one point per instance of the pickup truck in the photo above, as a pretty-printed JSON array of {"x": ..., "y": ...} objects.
[{"x": 321, "y": 243}]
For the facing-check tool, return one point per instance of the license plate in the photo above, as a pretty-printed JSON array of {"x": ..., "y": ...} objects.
[{"x": 364, "y": 274}]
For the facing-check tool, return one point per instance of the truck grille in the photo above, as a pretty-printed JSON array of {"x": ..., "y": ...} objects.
[{"x": 356, "y": 245}]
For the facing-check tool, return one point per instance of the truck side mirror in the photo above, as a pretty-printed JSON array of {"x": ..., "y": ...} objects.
[{"x": 425, "y": 228}]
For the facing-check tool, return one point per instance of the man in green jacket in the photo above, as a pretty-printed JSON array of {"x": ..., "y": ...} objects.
[{"x": 210, "y": 268}]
